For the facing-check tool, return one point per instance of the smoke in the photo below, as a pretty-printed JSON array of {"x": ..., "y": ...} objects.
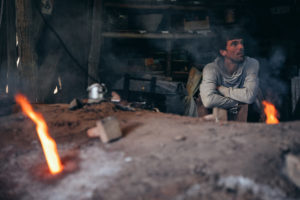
[
  {"x": 271, "y": 84},
  {"x": 113, "y": 68},
  {"x": 199, "y": 51},
  {"x": 277, "y": 60}
]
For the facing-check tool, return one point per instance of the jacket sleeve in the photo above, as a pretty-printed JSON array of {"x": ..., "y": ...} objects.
[
  {"x": 248, "y": 92},
  {"x": 209, "y": 93}
]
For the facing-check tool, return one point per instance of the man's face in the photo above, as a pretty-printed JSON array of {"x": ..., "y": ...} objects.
[{"x": 234, "y": 50}]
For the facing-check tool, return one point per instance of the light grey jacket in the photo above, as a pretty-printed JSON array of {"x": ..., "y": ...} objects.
[{"x": 241, "y": 86}]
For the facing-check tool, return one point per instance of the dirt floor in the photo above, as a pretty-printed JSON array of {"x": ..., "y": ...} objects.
[{"x": 160, "y": 156}]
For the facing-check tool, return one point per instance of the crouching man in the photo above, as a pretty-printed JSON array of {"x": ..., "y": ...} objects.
[{"x": 231, "y": 81}]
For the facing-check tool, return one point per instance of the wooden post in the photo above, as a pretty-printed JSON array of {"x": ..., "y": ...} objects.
[
  {"x": 242, "y": 115},
  {"x": 169, "y": 48},
  {"x": 28, "y": 58},
  {"x": 12, "y": 73},
  {"x": 220, "y": 114},
  {"x": 169, "y": 58},
  {"x": 3, "y": 48},
  {"x": 95, "y": 49}
]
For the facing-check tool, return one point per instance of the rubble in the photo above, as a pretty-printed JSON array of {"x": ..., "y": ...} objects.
[
  {"x": 242, "y": 185},
  {"x": 75, "y": 104},
  {"x": 125, "y": 107}
]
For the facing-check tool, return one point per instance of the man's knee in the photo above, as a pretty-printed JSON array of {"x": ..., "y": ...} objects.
[{"x": 239, "y": 114}]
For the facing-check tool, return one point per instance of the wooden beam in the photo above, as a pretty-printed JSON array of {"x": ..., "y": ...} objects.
[
  {"x": 169, "y": 44},
  {"x": 169, "y": 58},
  {"x": 28, "y": 58},
  {"x": 157, "y": 35},
  {"x": 3, "y": 47},
  {"x": 12, "y": 71},
  {"x": 155, "y": 7},
  {"x": 182, "y": 7},
  {"x": 95, "y": 48}
]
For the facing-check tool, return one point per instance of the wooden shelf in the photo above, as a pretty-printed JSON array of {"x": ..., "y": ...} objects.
[
  {"x": 169, "y": 34},
  {"x": 154, "y": 7},
  {"x": 186, "y": 7},
  {"x": 154, "y": 35},
  {"x": 180, "y": 72}
]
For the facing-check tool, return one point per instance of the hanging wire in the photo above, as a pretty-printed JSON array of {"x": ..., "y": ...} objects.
[{"x": 63, "y": 44}]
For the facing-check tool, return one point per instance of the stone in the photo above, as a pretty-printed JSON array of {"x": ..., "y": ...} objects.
[
  {"x": 128, "y": 159},
  {"x": 115, "y": 97},
  {"x": 125, "y": 107},
  {"x": 75, "y": 104},
  {"x": 108, "y": 129},
  {"x": 180, "y": 138}
]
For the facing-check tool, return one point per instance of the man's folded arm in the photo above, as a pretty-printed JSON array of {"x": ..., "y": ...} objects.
[
  {"x": 209, "y": 94},
  {"x": 248, "y": 92}
]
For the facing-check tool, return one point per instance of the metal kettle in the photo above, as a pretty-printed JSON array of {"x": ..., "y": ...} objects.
[{"x": 96, "y": 92}]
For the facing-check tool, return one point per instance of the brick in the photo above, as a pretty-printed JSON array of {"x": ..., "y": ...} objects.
[{"x": 107, "y": 129}]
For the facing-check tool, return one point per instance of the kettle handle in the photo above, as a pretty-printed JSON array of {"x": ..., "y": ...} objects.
[{"x": 104, "y": 87}]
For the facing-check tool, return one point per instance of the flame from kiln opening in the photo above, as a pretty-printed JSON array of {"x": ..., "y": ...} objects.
[
  {"x": 270, "y": 112},
  {"x": 48, "y": 144}
]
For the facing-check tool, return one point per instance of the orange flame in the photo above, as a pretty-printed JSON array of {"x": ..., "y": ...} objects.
[
  {"x": 48, "y": 144},
  {"x": 270, "y": 112}
]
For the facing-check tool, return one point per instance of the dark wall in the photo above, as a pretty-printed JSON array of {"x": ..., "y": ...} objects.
[
  {"x": 67, "y": 32},
  {"x": 272, "y": 26}
]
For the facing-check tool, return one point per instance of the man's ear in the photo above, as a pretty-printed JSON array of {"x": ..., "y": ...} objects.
[{"x": 223, "y": 52}]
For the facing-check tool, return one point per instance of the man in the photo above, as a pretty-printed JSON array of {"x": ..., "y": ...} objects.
[{"x": 232, "y": 79}]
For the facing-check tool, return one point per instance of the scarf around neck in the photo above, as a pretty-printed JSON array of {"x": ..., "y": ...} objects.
[{"x": 231, "y": 80}]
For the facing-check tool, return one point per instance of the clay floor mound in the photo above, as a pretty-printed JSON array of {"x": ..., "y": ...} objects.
[{"x": 160, "y": 156}]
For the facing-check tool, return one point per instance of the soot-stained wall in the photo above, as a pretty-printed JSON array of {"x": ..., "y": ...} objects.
[{"x": 272, "y": 28}]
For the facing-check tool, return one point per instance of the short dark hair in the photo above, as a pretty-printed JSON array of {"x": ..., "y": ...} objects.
[{"x": 228, "y": 34}]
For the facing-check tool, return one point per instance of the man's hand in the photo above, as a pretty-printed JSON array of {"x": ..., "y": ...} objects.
[{"x": 223, "y": 90}]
